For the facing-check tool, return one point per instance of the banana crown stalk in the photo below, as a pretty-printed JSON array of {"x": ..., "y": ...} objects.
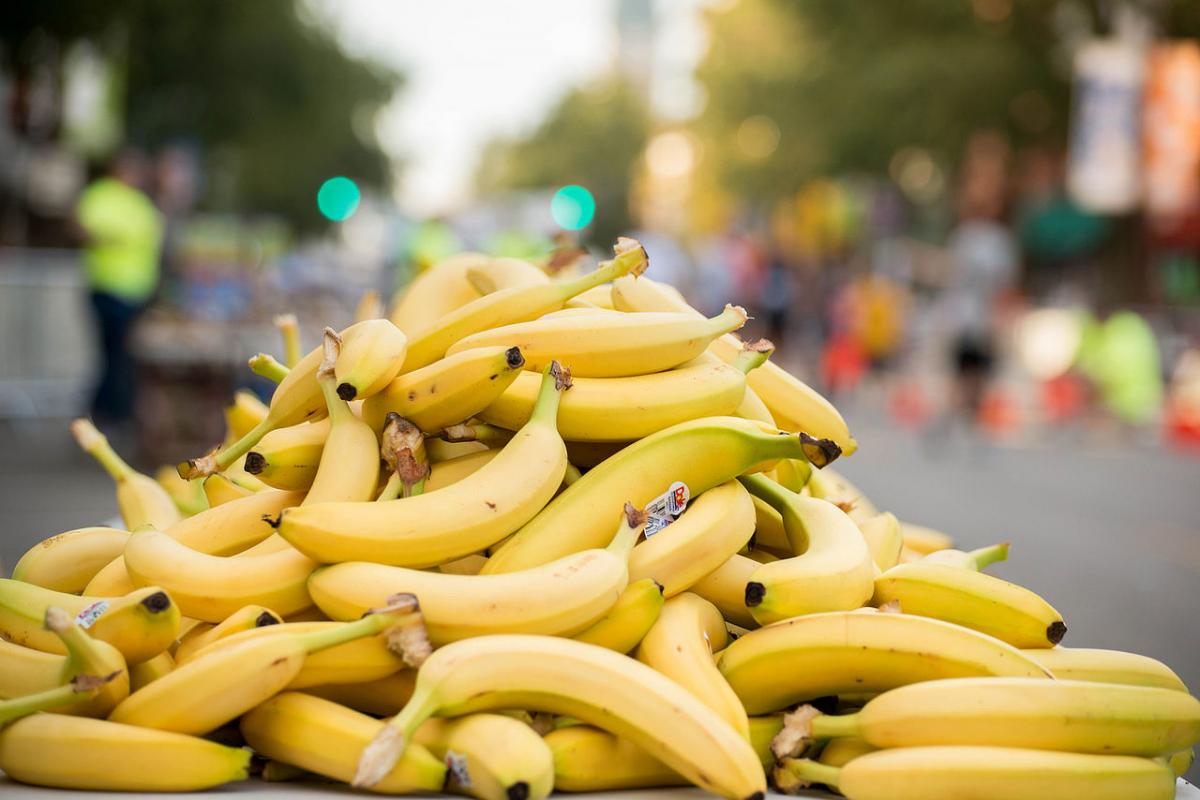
[
  {"x": 265, "y": 365},
  {"x": 289, "y": 329},
  {"x": 141, "y": 500},
  {"x": 88, "y": 656},
  {"x": 976, "y": 560},
  {"x": 78, "y": 689}
]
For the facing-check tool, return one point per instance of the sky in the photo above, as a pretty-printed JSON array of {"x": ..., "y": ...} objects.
[{"x": 477, "y": 70}]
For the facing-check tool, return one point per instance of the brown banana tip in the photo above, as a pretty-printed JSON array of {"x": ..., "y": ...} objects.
[
  {"x": 255, "y": 463},
  {"x": 752, "y": 541},
  {"x": 378, "y": 757},
  {"x": 661, "y": 589},
  {"x": 88, "y": 683},
  {"x": 405, "y": 602},
  {"x": 157, "y": 602},
  {"x": 1056, "y": 631},
  {"x": 634, "y": 517},
  {"x": 264, "y": 619},
  {"x": 756, "y": 796},
  {"x": 517, "y": 791},
  {"x": 760, "y": 346},
  {"x": 513, "y": 357},
  {"x": 755, "y": 592},
  {"x": 819, "y": 452},
  {"x": 561, "y": 375},
  {"x": 57, "y": 619},
  {"x": 273, "y": 521},
  {"x": 891, "y": 607},
  {"x": 738, "y": 310},
  {"x": 346, "y": 391}
]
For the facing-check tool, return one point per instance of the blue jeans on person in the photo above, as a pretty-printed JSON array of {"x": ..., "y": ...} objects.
[{"x": 115, "y": 391}]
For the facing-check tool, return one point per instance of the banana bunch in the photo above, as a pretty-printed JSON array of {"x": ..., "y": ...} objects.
[{"x": 548, "y": 529}]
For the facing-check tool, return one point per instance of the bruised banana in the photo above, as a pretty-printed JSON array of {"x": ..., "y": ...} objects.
[
  {"x": 556, "y": 675},
  {"x": 66, "y": 562},
  {"x": 438, "y": 526},
  {"x": 610, "y": 345},
  {"x": 516, "y": 304},
  {"x": 563, "y": 597},
  {"x": 680, "y": 645},
  {"x": 1071, "y": 716},
  {"x": 627, "y": 622},
  {"x": 984, "y": 773},
  {"x": 831, "y": 571},
  {"x": 701, "y": 454},
  {"x": 140, "y": 498},
  {"x": 859, "y": 651},
  {"x": 448, "y": 391},
  {"x": 717, "y": 524},
  {"x": 140, "y": 625}
]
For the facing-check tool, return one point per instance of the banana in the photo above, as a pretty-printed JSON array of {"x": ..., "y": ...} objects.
[
  {"x": 792, "y": 403},
  {"x": 188, "y": 496},
  {"x": 381, "y": 698},
  {"x": 972, "y": 599},
  {"x": 448, "y": 391},
  {"x": 147, "y": 672},
  {"x": 1072, "y": 716},
  {"x": 599, "y": 297},
  {"x": 78, "y": 690},
  {"x": 496, "y": 274},
  {"x": 289, "y": 330},
  {"x": 628, "y": 620},
  {"x": 66, "y": 562},
  {"x": 546, "y": 673},
  {"x": 210, "y": 588},
  {"x": 206, "y": 692},
  {"x": 243, "y": 414},
  {"x": 370, "y": 306},
  {"x": 436, "y": 292},
  {"x": 859, "y": 651},
  {"x": 831, "y": 485},
  {"x": 924, "y": 540},
  {"x": 624, "y": 409},
  {"x": 1181, "y": 762},
  {"x": 370, "y": 357},
  {"x": 140, "y": 625},
  {"x": 588, "y": 759},
  {"x": 1106, "y": 666},
  {"x": 219, "y": 490},
  {"x": 882, "y": 535},
  {"x": 975, "y": 560},
  {"x": 244, "y": 619},
  {"x": 490, "y": 756},
  {"x": 467, "y": 565},
  {"x": 701, "y": 454},
  {"x": 680, "y": 645},
  {"x": 725, "y": 588},
  {"x": 141, "y": 500},
  {"x": 841, "y": 751},
  {"x": 323, "y": 737},
  {"x": 563, "y": 597},
  {"x": 984, "y": 773},
  {"x": 449, "y": 523},
  {"x": 447, "y": 473},
  {"x": 610, "y": 345},
  {"x": 76, "y": 753},
  {"x": 516, "y": 304},
  {"x": 831, "y": 571},
  {"x": 287, "y": 458},
  {"x": 769, "y": 533},
  {"x": 266, "y": 366},
  {"x": 717, "y": 524}
]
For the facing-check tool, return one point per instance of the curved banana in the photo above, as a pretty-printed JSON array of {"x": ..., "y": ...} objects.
[
  {"x": 831, "y": 485},
  {"x": 140, "y": 625},
  {"x": 561, "y": 598},
  {"x": 624, "y": 409},
  {"x": 448, "y": 391},
  {"x": 381, "y": 698},
  {"x": 210, "y": 588},
  {"x": 244, "y": 619},
  {"x": 188, "y": 496},
  {"x": 547, "y": 673},
  {"x": 141, "y": 500},
  {"x": 446, "y": 473},
  {"x": 324, "y": 737},
  {"x": 855, "y": 651},
  {"x": 924, "y": 540},
  {"x": 717, "y": 524},
  {"x": 882, "y": 535},
  {"x": 517, "y": 304},
  {"x": 725, "y": 588},
  {"x": 449, "y": 523},
  {"x": 588, "y": 759},
  {"x": 610, "y": 345},
  {"x": 628, "y": 620},
  {"x": 287, "y": 458},
  {"x": 831, "y": 571},
  {"x": 143, "y": 674},
  {"x": 841, "y": 751},
  {"x": 490, "y": 756},
  {"x": 505, "y": 273},
  {"x": 289, "y": 330},
  {"x": 984, "y": 773},
  {"x": 701, "y": 454},
  {"x": 436, "y": 292},
  {"x": 78, "y": 753},
  {"x": 769, "y": 533},
  {"x": 1072, "y": 716},
  {"x": 972, "y": 599},
  {"x": 219, "y": 490},
  {"x": 680, "y": 645},
  {"x": 66, "y": 562},
  {"x": 1106, "y": 666},
  {"x": 370, "y": 357},
  {"x": 206, "y": 692}
]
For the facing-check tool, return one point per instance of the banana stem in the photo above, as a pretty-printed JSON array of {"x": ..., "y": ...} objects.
[
  {"x": 986, "y": 556},
  {"x": 630, "y": 258},
  {"x": 633, "y": 522},
  {"x": 95, "y": 444},
  {"x": 753, "y": 354},
  {"x": 795, "y": 773},
  {"x": 215, "y": 462},
  {"x": 414, "y": 489},
  {"x": 391, "y": 489},
  {"x": 825, "y": 726},
  {"x": 67, "y": 694},
  {"x": 382, "y": 752},
  {"x": 267, "y": 366},
  {"x": 375, "y": 622},
  {"x": 290, "y": 330},
  {"x": 79, "y": 645},
  {"x": 555, "y": 380},
  {"x": 773, "y": 494}
]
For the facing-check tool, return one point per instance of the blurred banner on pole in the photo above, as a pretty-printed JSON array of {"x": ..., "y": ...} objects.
[
  {"x": 1171, "y": 125},
  {"x": 1103, "y": 173}
]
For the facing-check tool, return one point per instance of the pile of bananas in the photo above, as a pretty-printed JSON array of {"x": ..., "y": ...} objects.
[{"x": 529, "y": 534}]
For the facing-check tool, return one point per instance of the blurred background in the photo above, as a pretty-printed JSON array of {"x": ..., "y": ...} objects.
[{"x": 973, "y": 224}]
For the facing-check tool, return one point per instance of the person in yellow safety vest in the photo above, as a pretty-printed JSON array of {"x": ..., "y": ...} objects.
[{"x": 122, "y": 234}]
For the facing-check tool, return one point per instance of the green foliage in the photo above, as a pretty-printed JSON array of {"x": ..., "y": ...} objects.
[{"x": 593, "y": 138}]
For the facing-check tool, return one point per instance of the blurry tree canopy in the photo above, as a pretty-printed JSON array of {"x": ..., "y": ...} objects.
[
  {"x": 593, "y": 137},
  {"x": 274, "y": 103}
]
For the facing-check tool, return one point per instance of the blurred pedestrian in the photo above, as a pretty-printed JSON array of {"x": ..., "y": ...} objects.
[{"x": 122, "y": 233}]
